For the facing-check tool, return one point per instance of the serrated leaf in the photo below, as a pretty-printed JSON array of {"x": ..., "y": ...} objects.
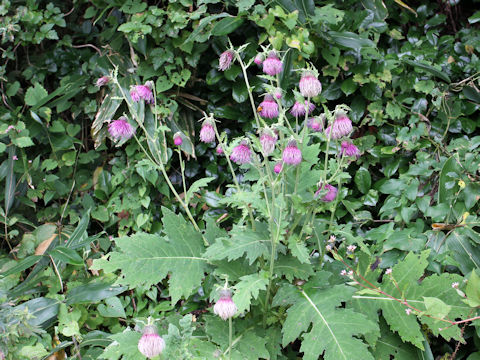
[
  {"x": 247, "y": 288},
  {"x": 35, "y": 94},
  {"x": 299, "y": 250},
  {"x": 145, "y": 259},
  {"x": 292, "y": 268},
  {"x": 197, "y": 185},
  {"x": 124, "y": 345}
]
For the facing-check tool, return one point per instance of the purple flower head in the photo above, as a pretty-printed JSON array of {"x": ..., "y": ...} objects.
[
  {"x": 104, "y": 80},
  {"x": 342, "y": 126},
  {"x": 348, "y": 149},
  {"x": 225, "y": 307},
  {"x": 177, "y": 139},
  {"x": 309, "y": 85},
  {"x": 315, "y": 123},
  {"x": 268, "y": 107},
  {"x": 219, "y": 150},
  {"x": 278, "y": 167},
  {"x": 142, "y": 92},
  {"x": 225, "y": 60},
  {"x": 331, "y": 192},
  {"x": 299, "y": 109},
  {"x": 292, "y": 154},
  {"x": 151, "y": 344},
  {"x": 268, "y": 139},
  {"x": 120, "y": 129},
  {"x": 207, "y": 132},
  {"x": 272, "y": 65},
  {"x": 258, "y": 59},
  {"x": 241, "y": 154}
]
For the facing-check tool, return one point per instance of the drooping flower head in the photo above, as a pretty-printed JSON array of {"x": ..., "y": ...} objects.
[
  {"x": 259, "y": 59},
  {"x": 225, "y": 307},
  {"x": 142, "y": 92},
  {"x": 268, "y": 107},
  {"x": 104, "y": 80},
  {"x": 207, "y": 132},
  {"x": 331, "y": 192},
  {"x": 177, "y": 139},
  {"x": 298, "y": 109},
  {"x": 268, "y": 139},
  {"x": 120, "y": 129},
  {"x": 341, "y": 126},
  {"x": 316, "y": 123},
  {"x": 151, "y": 344},
  {"x": 241, "y": 154},
  {"x": 272, "y": 65},
  {"x": 309, "y": 84},
  {"x": 349, "y": 149},
  {"x": 292, "y": 154},
  {"x": 278, "y": 167},
  {"x": 226, "y": 59}
]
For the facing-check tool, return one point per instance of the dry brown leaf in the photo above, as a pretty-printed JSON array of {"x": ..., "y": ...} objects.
[{"x": 40, "y": 250}]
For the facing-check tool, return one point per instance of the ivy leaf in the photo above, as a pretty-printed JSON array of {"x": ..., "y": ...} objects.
[
  {"x": 146, "y": 259},
  {"x": 241, "y": 240},
  {"x": 247, "y": 288},
  {"x": 333, "y": 328}
]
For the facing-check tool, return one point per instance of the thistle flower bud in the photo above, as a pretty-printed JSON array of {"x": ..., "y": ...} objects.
[
  {"x": 292, "y": 154},
  {"x": 120, "y": 129},
  {"x": 315, "y": 123},
  {"x": 225, "y": 307},
  {"x": 309, "y": 84},
  {"x": 225, "y": 60},
  {"x": 277, "y": 93},
  {"x": 278, "y": 167},
  {"x": 207, "y": 132},
  {"x": 272, "y": 65},
  {"x": 268, "y": 139},
  {"x": 341, "y": 126},
  {"x": 241, "y": 154},
  {"x": 258, "y": 59},
  {"x": 268, "y": 107},
  {"x": 348, "y": 149},
  {"x": 219, "y": 149},
  {"x": 151, "y": 344},
  {"x": 331, "y": 192},
  {"x": 177, "y": 139},
  {"x": 104, "y": 80},
  {"x": 299, "y": 109}
]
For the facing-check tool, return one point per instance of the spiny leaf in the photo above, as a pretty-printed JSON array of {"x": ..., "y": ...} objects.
[{"x": 247, "y": 288}]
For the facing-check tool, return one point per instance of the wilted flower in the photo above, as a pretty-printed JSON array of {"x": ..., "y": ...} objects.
[
  {"x": 292, "y": 154},
  {"x": 272, "y": 65},
  {"x": 278, "y": 167},
  {"x": 225, "y": 307},
  {"x": 151, "y": 344},
  {"x": 225, "y": 60},
  {"x": 348, "y": 149},
  {"x": 219, "y": 149},
  {"x": 268, "y": 140},
  {"x": 241, "y": 153},
  {"x": 121, "y": 129},
  {"x": 309, "y": 84},
  {"x": 104, "y": 80},
  {"x": 142, "y": 92},
  {"x": 268, "y": 107},
  {"x": 207, "y": 132},
  {"x": 331, "y": 192},
  {"x": 315, "y": 123},
  {"x": 177, "y": 139},
  {"x": 258, "y": 59},
  {"x": 341, "y": 126},
  {"x": 299, "y": 109}
]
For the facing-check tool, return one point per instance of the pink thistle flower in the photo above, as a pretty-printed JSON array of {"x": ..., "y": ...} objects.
[
  {"x": 207, "y": 132},
  {"x": 225, "y": 60},
  {"x": 151, "y": 344},
  {"x": 104, "y": 80},
  {"x": 241, "y": 154},
  {"x": 225, "y": 307},
  {"x": 331, "y": 192},
  {"x": 292, "y": 154},
  {"x": 341, "y": 126},
  {"x": 268, "y": 107},
  {"x": 348, "y": 149},
  {"x": 278, "y": 167},
  {"x": 121, "y": 129},
  {"x": 309, "y": 85},
  {"x": 272, "y": 65},
  {"x": 299, "y": 109},
  {"x": 268, "y": 139},
  {"x": 142, "y": 92},
  {"x": 258, "y": 59},
  {"x": 315, "y": 124},
  {"x": 177, "y": 139},
  {"x": 15, "y": 157},
  {"x": 219, "y": 150}
]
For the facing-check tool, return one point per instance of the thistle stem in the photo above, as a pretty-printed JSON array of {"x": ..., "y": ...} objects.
[{"x": 230, "y": 326}]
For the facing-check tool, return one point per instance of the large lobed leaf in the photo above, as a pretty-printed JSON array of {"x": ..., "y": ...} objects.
[{"x": 145, "y": 259}]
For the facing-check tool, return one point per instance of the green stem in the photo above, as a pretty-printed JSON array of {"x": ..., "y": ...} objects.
[{"x": 230, "y": 326}]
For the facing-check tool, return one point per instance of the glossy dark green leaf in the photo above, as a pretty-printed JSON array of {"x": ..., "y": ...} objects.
[
  {"x": 448, "y": 168},
  {"x": 93, "y": 292},
  {"x": 350, "y": 40},
  {"x": 44, "y": 310},
  {"x": 363, "y": 180},
  {"x": 227, "y": 25},
  {"x": 22, "y": 265},
  {"x": 429, "y": 69},
  {"x": 239, "y": 92},
  {"x": 67, "y": 255},
  {"x": 466, "y": 255},
  {"x": 10, "y": 181},
  {"x": 471, "y": 94}
]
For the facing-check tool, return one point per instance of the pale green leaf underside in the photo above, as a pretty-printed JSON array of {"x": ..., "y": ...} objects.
[{"x": 249, "y": 286}]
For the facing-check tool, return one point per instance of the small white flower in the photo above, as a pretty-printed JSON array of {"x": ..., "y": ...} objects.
[
  {"x": 332, "y": 239},
  {"x": 328, "y": 247},
  {"x": 343, "y": 272},
  {"x": 388, "y": 271},
  {"x": 408, "y": 311},
  {"x": 351, "y": 248},
  {"x": 350, "y": 273},
  {"x": 455, "y": 285}
]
